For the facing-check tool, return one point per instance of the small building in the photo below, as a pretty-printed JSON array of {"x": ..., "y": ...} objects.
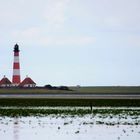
[
  {"x": 5, "y": 82},
  {"x": 27, "y": 82}
]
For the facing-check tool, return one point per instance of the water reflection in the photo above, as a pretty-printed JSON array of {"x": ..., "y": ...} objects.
[{"x": 16, "y": 128}]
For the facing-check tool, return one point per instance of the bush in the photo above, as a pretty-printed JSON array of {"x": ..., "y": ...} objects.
[
  {"x": 56, "y": 88},
  {"x": 63, "y": 88},
  {"x": 48, "y": 86}
]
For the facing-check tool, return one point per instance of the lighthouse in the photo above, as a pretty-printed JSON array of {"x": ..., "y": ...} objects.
[
  {"x": 16, "y": 82},
  {"x": 16, "y": 67}
]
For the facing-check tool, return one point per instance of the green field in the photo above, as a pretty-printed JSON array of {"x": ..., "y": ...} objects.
[
  {"x": 119, "y": 89},
  {"x": 107, "y": 89}
]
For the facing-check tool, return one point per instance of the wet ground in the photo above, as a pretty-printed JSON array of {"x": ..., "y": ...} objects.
[{"x": 93, "y": 126}]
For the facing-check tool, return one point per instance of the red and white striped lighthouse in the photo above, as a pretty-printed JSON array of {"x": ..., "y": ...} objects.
[{"x": 16, "y": 67}]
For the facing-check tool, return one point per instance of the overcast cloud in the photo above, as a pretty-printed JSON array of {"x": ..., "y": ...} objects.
[{"x": 87, "y": 42}]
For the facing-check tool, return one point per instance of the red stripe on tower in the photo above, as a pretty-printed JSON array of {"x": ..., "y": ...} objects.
[{"x": 16, "y": 67}]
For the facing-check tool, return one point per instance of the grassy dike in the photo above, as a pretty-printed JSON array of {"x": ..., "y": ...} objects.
[
  {"x": 71, "y": 102},
  {"x": 90, "y": 89}
]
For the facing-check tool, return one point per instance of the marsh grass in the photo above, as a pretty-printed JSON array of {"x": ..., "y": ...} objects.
[
  {"x": 122, "y": 113},
  {"x": 70, "y": 102}
]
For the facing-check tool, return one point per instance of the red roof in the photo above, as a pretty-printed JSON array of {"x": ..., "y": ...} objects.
[
  {"x": 5, "y": 81},
  {"x": 27, "y": 81}
]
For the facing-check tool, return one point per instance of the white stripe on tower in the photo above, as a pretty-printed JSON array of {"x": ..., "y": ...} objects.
[
  {"x": 16, "y": 67},
  {"x": 16, "y": 72},
  {"x": 16, "y": 59}
]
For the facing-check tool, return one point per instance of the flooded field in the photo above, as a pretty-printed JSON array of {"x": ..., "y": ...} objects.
[{"x": 69, "y": 123}]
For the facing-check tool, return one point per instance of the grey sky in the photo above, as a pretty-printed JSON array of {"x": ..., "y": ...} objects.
[{"x": 71, "y": 42}]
